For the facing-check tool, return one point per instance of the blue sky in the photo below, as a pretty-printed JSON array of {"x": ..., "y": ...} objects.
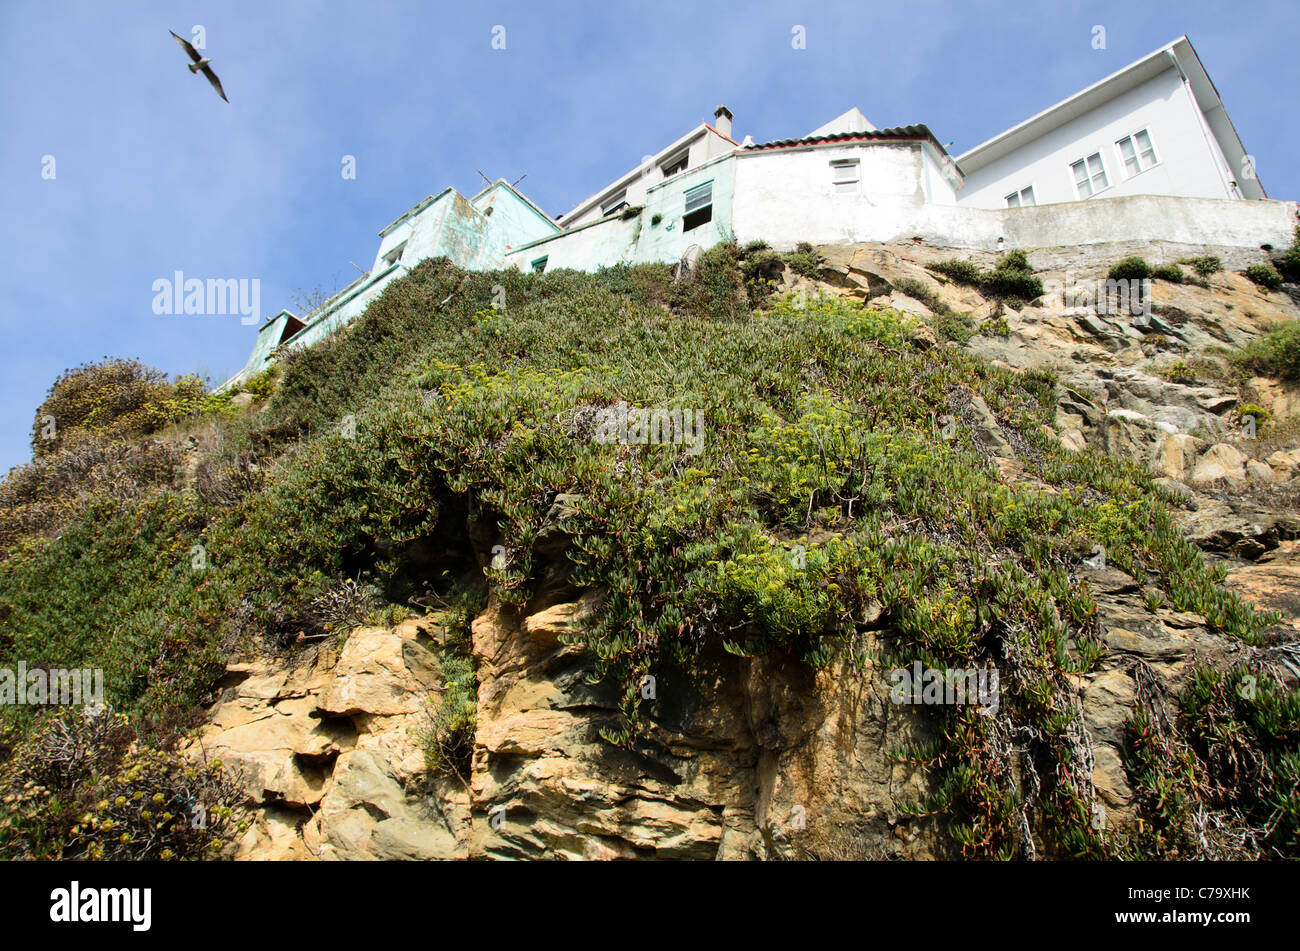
[{"x": 154, "y": 173}]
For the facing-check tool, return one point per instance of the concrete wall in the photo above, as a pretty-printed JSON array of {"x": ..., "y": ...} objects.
[
  {"x": 1189, "y": 161},
  {"x": 786, "y": 195}
]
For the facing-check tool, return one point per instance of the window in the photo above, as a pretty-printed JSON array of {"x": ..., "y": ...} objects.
[
  {"x": 675, "y": 165},
  {"x": 1137, "y": 152},
  {"x": 395, "y": 255},
  {"x": 614, "y": 205},
  {"x": 845, "y": 175},
  {"x": 1089, "y": 175},
  {"x": 539, "y": 265},
  {"x": 1024, "y": 197},
  {"x": 699, "y": 206}
]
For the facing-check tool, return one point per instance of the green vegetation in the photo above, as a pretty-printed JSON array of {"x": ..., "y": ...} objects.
[
  {"x": 1129, "y": 269},
  {"x": 1289, "y": 265},
  {"x": 1179, "y": 372},
  {"x": 995, "y": 327},
  {"x": 261, "y": 385},
  {"x": 1277, "y": 354},
  {"x": 1264, "y": 276},
  {"x": 804, "y": 259},
  {"x": 1011, "y": 279},
  {"x": 449, "y": 740},
  {"x": 1168, "y": 272},
  {"x": 434, "y": 419},
  {"x": 1205, "y": 265},
  {"x": 97, "y": 788},
  {"x": 112, "y": 399},
  {"x": 1255, "y": 412},
  {"x": 1231, "y": 747}
]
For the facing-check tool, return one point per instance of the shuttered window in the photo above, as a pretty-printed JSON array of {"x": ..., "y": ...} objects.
[{"x": 698, "y": 197}]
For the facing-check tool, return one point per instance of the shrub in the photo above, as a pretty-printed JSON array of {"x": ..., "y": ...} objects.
[
  {"x": 1168, "y": 272},
  {"x": 1205, "y": 265},
  {"x": 915, "y": 289},
  {"x": 1264, "y": 276},
  {"x": 37, "y": 500},
  {"x": 86, "y": 786},
  {"x": 262, "y": 384},
  {"x": 804, "y": 259},
  {"x": 1179, "y": 372},
  {"x": 716, "y": 287},
  {"x": 1011, "y": 277},
  {"x": 114, "y": 398},
  {"x": 963, "y": 272},
  {"x": 995, "y": 327},
  {"x": 1255, "y": 412},
  {"x": 449, "y": 740},
  {"x": 1289, "y": 264},
  {"x": 1277, "y": 354},
  {"x": 954, "y": 327},
  {"x": 1129, "y": 269},
  {"x": 762, "y": 269}
]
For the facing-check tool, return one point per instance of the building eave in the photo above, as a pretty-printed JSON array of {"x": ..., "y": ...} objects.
[{"x": 629, "y": 177}]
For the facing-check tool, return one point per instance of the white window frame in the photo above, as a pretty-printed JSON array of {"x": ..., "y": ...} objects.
[
  {"x": 1017, "y": 198},
  {"x": 1131, "y": 138},
  {"x": 846, "y": 176},
  {"x": 1089, "y": 179}
]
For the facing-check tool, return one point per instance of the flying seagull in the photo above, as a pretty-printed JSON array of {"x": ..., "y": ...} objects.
[{"x": 201, "y": 63}]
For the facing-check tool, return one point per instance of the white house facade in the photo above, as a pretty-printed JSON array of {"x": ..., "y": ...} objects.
[
  {"x": 1156, "y": 127},
  {"x": 1146, "y": 154}
]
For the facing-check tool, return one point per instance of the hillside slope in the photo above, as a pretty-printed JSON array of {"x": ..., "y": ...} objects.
[{"x": 628, "y": 565}]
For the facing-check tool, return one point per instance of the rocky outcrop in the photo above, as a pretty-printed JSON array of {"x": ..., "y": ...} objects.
[{"x": 331, "y": 751}]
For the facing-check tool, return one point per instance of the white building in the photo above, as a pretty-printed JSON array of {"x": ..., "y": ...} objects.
[
  {"x": 1146, "y": 154},
  {"x": 1155, "y": 127}
]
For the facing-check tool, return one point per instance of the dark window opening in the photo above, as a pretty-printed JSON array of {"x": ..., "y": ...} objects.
[
  {"x": 291, "y": 327},
  {"x": 697, "y": 218},
  {"x": 699, "y": 206},
  {"x": 540, "y": 264},
  {"x": 673, "y": 166}
]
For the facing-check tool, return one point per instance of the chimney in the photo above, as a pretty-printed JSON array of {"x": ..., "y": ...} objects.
[{"x": 722, "y": 120}]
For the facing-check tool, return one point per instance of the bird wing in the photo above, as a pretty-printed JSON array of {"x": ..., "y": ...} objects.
[
  {"x": 194, "y": 54},
  {"x": 216, "y": 83}
]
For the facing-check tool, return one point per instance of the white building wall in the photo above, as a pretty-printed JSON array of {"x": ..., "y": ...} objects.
[
  {"x": 1189, "y": 162},
  {"x": 700, "y": 149},
  {"x": 787, "y": 194}
]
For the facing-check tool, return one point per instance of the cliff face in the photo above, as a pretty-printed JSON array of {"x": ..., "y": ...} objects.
[{"x": 764, "y": 756}]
